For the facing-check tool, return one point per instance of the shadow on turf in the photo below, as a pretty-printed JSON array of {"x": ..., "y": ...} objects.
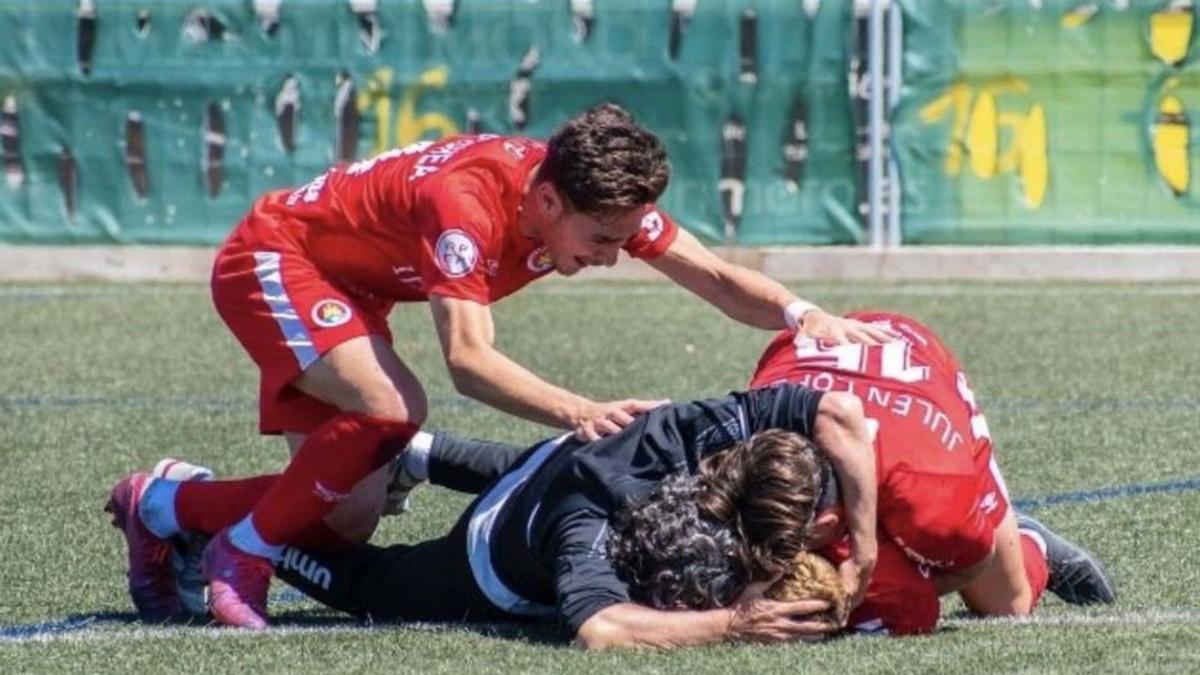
[
  {"x": 530, "y": 633},
  {"x": 542, "y": 635}
]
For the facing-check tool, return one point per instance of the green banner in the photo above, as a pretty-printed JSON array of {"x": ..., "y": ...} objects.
[
  {"x": 1051, "y": 122},
  {"x": 137, "y": 121},
  {"x": 160, "y": 122}
]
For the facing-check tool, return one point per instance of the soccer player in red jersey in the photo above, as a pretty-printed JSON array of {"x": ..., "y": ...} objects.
[
  {"x": 305, "y": 283},
  {"x": 945, "y": 522}
]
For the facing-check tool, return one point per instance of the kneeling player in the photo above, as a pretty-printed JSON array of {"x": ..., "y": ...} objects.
[
  {"x": 945, "y": 520},
  {"x": 942, "y": 500}
]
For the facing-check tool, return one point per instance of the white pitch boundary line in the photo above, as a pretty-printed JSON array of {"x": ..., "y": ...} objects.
[
  {"x": 103, "y": 633},
  {"x": 1146, "y": 617}
]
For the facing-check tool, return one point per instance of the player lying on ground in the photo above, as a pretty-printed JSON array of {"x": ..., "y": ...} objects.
[
  {"x": 942, "y": 500},
  {"x": 533, "y": 544},
  {"x": 306, "y": 281},
  {"x": 612, "y": 541}
]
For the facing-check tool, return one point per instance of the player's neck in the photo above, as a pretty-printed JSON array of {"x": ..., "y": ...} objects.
[{"x": 527, "y": 211}]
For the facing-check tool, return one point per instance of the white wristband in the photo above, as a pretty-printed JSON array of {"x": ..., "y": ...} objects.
[{"x": 794, "y": 313}]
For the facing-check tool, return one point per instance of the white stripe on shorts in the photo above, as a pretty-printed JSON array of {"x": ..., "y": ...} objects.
[{"x": 295, "y": 334}]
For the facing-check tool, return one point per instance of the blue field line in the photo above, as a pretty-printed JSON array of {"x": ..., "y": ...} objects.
[
  {"x": 59, "y": 626},
  {"x": 175, "y": 402},
  {"x": 1107, "y": 493},
  {"x": 1095, "y": 405},
  {"x": 238, "y": 403},
  {"x": 23, "y": 632}
]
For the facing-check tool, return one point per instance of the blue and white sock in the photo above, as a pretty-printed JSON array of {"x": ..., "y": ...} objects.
[
  {"x": 415, "y": 460},
  {"x": 157, "y": 507},
  {"x": 245, "y": 537}
]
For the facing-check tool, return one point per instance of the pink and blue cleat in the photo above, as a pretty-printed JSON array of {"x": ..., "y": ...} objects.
[
  {"x": 151, "y": 571},
  {"x": 237, "y": 584}
]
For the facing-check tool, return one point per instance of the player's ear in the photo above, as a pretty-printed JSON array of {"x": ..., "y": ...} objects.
[
  {"x": 827, "y": 526},
  {"x": 549, "y": 201}
]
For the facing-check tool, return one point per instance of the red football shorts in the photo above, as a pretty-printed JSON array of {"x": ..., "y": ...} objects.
[
  {"x": 901, "y": 599},
  {"x": 286, "y": 316},
  {"x": 944, "y": 519}
]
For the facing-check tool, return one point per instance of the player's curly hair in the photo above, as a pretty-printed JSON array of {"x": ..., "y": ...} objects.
[
  {"x": 603, "y": 161},
  {"x": 766, "y": 489},
  {"x": 670, "y": 555}
]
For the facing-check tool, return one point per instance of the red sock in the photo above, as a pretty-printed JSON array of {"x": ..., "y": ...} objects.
[
  {"x": 1037, "y": 570},
  {"x": 332, "y": 460},
  {"x": 320, "y": 537},
  {"x": 211, "y": 506}
]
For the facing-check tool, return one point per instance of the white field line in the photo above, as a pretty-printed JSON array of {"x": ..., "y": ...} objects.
[
  {"x": 105, "y": 633},
  {"x": 1135, "y": 617}
]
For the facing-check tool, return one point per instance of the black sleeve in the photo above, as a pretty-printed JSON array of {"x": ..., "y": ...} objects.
[
  {"x": 466, "y": 464},
  {"x": 584, "y": 579},
  {"x": 783, "y": 406},
  {"x": 684, "y": 433}
]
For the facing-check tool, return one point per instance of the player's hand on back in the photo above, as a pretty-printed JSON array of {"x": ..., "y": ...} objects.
[
  {"x": 822, "y": 325},
  {"x": 757, "y": 619},
  {"x": 604, "y": 419}
]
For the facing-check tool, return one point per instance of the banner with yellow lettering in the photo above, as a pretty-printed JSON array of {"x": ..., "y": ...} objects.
[
  {"x": 1056, "y": 121},
  {"x": 161, "y": 121},
  {"x": 1052, "y": 122}
]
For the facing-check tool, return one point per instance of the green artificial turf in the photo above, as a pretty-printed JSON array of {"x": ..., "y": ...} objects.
[{"x": 1084, "y": 386}]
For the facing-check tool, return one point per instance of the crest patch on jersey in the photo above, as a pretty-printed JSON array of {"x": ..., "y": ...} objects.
[
  {"x": 330, "y": 313},
  {"x": 539, "y": 261},
  {"x": 652, "y": 225},
  {"x": 515, "y": 149},
  {"x": 456, "y": 253}
]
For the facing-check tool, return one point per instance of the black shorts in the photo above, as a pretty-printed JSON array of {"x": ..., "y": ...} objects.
[{"x": 429, "y": 581}]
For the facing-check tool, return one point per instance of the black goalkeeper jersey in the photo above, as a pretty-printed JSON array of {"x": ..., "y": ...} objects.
[
  {"x": 533, "y": 544},
  {"x": 536, "y": 536}
]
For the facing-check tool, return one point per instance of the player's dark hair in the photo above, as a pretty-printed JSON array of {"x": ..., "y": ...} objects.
[
  {"x": 670, "y": 556},
  {"x": 766, "y": 488},
  {"x": 603, "y": 161}
]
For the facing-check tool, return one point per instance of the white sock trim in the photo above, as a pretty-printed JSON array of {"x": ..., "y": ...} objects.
[
  {"x": 157, "y": 507},
  {"x": 246, "y": 538},
  {"x": 415, "y": 460},
  {"x": 1037, "y": 539}
]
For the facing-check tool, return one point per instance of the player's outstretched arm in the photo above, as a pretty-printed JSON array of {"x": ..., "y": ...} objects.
[
  {"x": 840, "y": 430},
  {"x": 482, "y": 372},
  {"x": 628, "y": 624},
  {"x": 753, "y": 298}
]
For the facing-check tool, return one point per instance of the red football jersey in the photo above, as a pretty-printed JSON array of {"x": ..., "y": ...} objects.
[
  {"x": 940, "y": 496},
  {"x": 435, "y": 217}
]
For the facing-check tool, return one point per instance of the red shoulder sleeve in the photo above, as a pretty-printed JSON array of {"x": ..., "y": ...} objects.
[
  {"x": 656, "y": 235},
  {"x": 456, "y": 217}
]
